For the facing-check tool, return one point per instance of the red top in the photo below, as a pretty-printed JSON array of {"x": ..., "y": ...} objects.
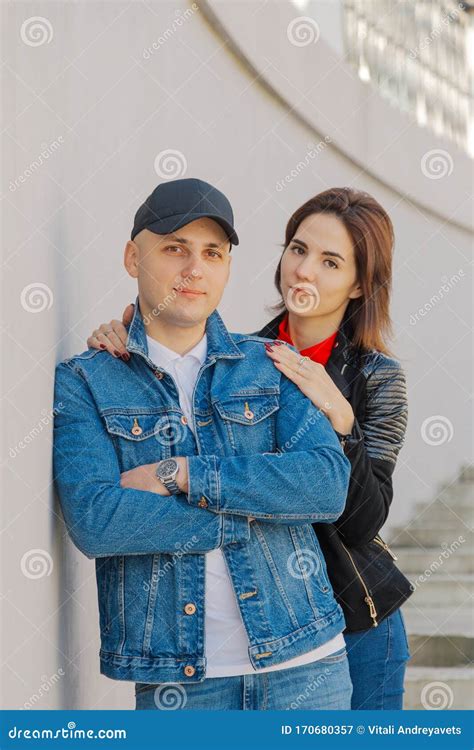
[{"x": 318, "y": 352}]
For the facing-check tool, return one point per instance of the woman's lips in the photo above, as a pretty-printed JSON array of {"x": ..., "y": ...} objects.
[{"x": 303, "y": 289}]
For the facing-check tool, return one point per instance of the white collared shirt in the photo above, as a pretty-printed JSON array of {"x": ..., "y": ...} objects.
[{"x": 226, "y": 641}]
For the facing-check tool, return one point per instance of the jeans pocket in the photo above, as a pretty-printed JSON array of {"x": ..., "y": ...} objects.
[
  {"x": 337, "y": 656},
  {"x": 404, "y": 633}
]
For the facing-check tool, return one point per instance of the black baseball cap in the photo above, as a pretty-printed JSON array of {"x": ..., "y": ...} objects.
[{"x": 174, "y": 203}]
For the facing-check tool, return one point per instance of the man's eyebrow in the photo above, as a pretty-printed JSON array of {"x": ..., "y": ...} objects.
[
  {"x": 184, "y": 241},
  {"x": 330, "y": 253}
]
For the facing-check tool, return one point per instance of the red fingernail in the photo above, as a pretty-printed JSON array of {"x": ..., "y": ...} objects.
[
  {"x": 268, "y": 347},
  {"x": 125, "y": 357},
  {"x": 117, "y": 354},
  {"x": 278, "y": 343},
  {"x": 102, "y": 346}
]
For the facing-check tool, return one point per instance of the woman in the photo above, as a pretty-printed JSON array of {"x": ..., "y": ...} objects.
[{"x": 334, "y": 278}]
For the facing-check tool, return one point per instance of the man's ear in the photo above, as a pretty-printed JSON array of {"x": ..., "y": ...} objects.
[{"x": 130, "y": 258}]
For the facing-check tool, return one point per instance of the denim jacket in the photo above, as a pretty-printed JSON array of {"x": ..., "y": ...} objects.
[{"x": 264, "y": 463}]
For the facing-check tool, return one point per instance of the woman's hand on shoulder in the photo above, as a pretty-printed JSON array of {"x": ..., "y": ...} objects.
[
  {"x": 112, "y": 336},
  {"x": 313, "y": 380}
]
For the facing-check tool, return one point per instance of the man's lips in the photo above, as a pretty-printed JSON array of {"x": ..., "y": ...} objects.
[{"x": 190, "y": 292}]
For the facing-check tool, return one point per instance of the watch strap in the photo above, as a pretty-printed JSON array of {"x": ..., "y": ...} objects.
[{"x": 171, "y": 486}]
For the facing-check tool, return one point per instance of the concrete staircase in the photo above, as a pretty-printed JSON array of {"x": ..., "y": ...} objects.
[{"x": 435, "y": 551}]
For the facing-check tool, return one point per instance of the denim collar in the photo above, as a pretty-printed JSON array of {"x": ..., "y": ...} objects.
[{"x": 220, "y": 344}]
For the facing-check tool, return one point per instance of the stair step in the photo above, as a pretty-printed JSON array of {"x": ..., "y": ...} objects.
[
  {"x": 441, "y": 650},
  {"x": 439, "y": 512},
  {"x": 466, "y": 474},
  {"x": 458, "y": 495},
  {"x": 424, "y": 536},
  {"x": 439, "y": 588},
  {"x": 416, "y": 559},
  {"x": 434, "y": 551},
  {"x": 433, "y": 621},
  {"x": 440, "y": 688}
]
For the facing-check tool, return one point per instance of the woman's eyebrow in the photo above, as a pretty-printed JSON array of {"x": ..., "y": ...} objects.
[{"x": 331, "y": 253}]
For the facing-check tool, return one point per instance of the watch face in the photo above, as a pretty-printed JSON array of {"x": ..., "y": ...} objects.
[{"x": 167, "y": 467}]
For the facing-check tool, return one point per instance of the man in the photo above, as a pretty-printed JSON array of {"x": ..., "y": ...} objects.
[{"x": 191, "y": 472}]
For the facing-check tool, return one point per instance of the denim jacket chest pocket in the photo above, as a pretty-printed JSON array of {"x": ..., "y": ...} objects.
[
  {"x": 248, "y": 421},
  {"x": 144, "y": 436}
]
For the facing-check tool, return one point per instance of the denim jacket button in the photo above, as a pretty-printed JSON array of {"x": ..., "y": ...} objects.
[
  {"x": 136, "y": 429},
  {"x": 159, "y": 375},
  {"x": 189, "y": 670},
  {"x": 184, "y": 420},
  {"x": 203, "y": 503},
  {"x": 190, "y": 608}
]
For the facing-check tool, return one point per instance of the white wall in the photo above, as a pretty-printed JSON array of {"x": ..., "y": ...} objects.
[{"x": 111, "y": 109}]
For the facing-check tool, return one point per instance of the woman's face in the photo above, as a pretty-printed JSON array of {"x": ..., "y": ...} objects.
[{"x": 318, "y": 271}]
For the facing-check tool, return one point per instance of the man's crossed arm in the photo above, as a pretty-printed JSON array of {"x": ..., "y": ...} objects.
[{"x": 109, "y": 513}]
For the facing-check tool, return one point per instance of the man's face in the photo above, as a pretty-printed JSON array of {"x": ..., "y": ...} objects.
[{"x": 181, "y": 276}]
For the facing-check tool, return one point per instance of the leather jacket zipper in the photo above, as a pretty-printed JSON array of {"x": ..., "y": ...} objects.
[
  {"x": 368, "y": 599},
  {"x": 378, "y": 540}
]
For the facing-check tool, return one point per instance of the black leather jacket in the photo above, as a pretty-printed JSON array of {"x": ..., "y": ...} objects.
[{"x": 361, "y": 567}]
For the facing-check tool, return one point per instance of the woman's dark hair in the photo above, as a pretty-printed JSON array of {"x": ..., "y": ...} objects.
[{"x": 366, "y": 319}]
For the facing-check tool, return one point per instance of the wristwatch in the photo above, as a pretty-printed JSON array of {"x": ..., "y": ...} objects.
[{"x": 166, "y": 472}]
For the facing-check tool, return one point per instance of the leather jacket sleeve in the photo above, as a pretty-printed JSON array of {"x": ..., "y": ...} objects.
[{"x": 372, "y": 451}]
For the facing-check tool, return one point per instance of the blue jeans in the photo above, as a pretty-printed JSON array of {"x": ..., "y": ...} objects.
[
  {"x": 377, "y": 662},
  {"x": 323, "y": 684}
]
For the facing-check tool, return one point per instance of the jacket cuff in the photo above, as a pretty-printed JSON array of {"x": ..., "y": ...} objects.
[
  {"x": 203, "y": 482},
  {"x": 353, "y": 440},
  {"x": 235, "y": 529}
]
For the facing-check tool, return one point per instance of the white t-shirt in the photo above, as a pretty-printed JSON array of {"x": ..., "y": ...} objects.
[{"x": 226, "y": 641}]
